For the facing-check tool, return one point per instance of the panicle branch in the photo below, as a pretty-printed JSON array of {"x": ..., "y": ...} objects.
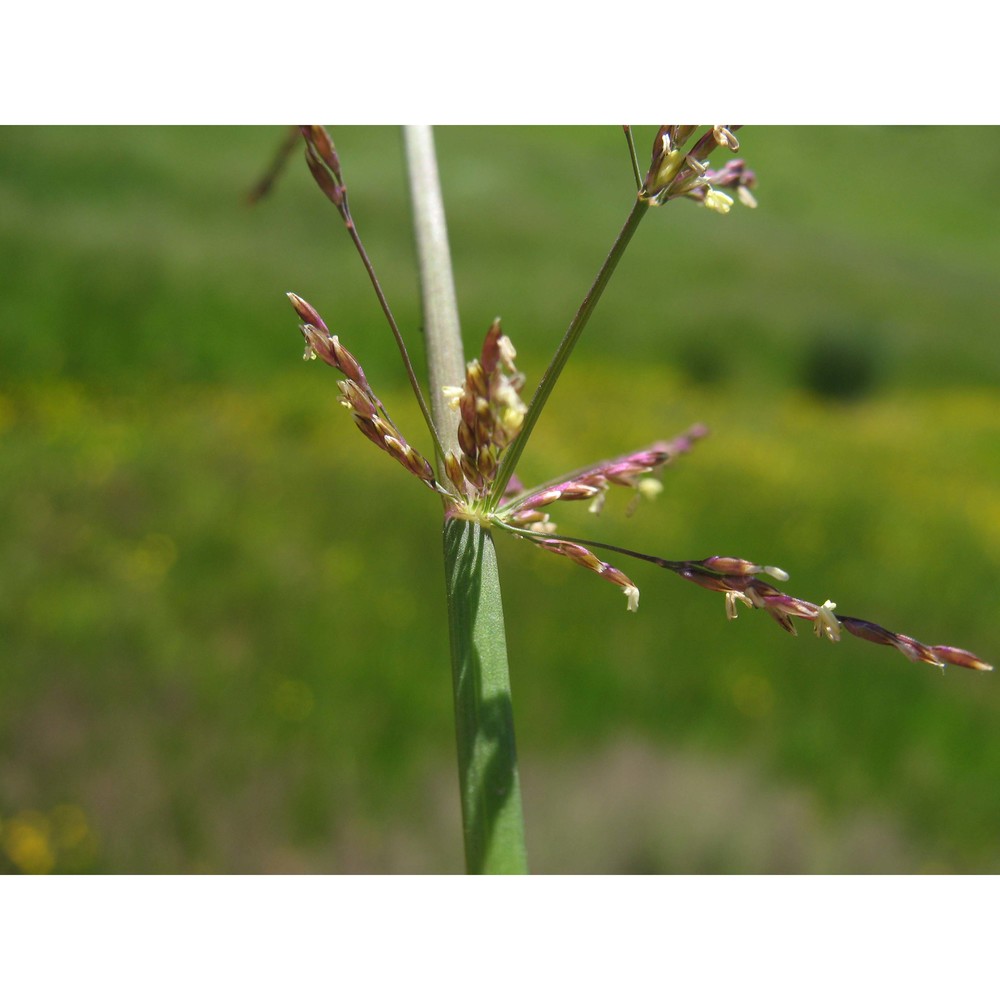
[
  {"x": 324, "y": 165},
  {"x": 281, "y": 157},
  {"x": 633, "y": 471},
  {"x": 738, "y": 580},
  {"x": 356, "y": 394},
  {"x": 674, "y": 174},
  {"x": 524, "y": 517}
]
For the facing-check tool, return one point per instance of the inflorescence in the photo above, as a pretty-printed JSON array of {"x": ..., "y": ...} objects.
[{"x": 492, "y": 411}]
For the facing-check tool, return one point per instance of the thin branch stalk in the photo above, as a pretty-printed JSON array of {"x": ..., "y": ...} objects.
[{"x": 570, "y": 338}]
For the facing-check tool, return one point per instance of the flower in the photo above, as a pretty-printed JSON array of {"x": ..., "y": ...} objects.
[
  {"x": 674, "y": 174},
  {"x": 826, "y": 624},
  {"x": 717, "y": 201}
]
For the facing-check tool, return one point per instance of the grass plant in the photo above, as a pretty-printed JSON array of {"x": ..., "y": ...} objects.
[{"x": 221, "y": 614}]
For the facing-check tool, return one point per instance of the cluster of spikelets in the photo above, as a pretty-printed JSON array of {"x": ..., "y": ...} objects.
[
  {"x": 491, "y": 413},
  {"x": 674, "y": 173},
  {"x": 356, "y": 394}
]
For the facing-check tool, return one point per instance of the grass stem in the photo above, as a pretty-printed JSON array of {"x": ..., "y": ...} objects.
[{"x": 489, "y": 786}]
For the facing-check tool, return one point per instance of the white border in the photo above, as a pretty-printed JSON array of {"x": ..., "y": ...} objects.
[
  {"x": 581, "y": 937},
  {"x": 520, "y": 62}
]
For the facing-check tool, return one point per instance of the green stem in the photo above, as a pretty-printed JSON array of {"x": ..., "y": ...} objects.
[
  {"x": 489, "y": 786},
  {"x": 442, "y": 330},
  {"x": 509, "y": 461},
  {"x": 484, "y": 720}
]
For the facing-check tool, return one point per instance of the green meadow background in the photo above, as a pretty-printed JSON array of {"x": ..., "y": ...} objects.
[{"x": 223, "y": 640}]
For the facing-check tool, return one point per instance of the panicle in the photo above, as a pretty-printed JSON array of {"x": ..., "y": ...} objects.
[{"x": 492, "y": 413}]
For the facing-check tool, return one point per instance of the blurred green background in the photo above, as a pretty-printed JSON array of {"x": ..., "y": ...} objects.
[{"x": 223, "y": 640}]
